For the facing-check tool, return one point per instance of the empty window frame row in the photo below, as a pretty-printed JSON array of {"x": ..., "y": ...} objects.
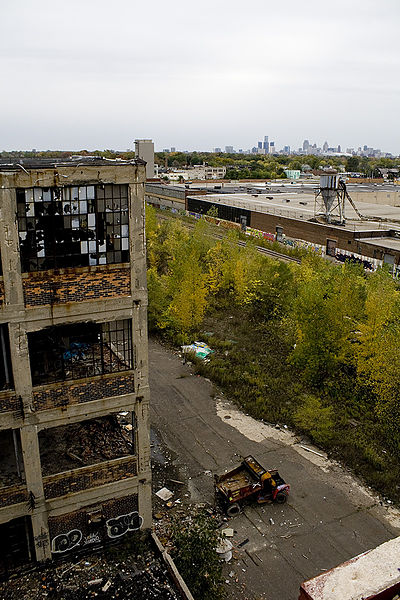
[
  {"x": 80, "y": 350},
  {"x": 73, "y": 226}
]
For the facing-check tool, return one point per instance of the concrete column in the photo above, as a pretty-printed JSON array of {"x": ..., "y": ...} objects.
[
  {"x": 34, "y": 484},
  {"x": 41, "y": 535},
  {"x": 9, "y": 244},
  {"x": 139, "y": 335},
  {"x": 32, "y": 466},
  {"x": 20, "y": 364},
  {"x": 137, "y": 237},
  {"x": 142, "y": 419}
]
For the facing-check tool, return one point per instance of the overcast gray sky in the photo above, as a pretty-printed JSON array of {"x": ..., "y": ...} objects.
[{"x": 195, "y": 75}]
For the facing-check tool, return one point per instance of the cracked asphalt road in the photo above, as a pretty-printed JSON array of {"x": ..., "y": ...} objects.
[{"x": 328, "y": 519}]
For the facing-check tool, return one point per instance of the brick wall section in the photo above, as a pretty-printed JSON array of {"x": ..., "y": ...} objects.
[
  {"x": 13, "y": 495},
  {"x": 63, "y": 524},
  {"x": 304, "y": 230},
  {"x": 75, "y": 285},
  {"x": 320, "y": 233},
  {"x": 89, "y": 477},
  {"x": 9, "y": 402},
  {"x": 63, "y": 394}
]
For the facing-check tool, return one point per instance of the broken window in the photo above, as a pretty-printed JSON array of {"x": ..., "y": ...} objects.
[
  {"x": 85, "y": 443},
  {"x": 73, "y": 226},
  {"x": 6, "y": 378},
  {"x": 80, "y": 350},
  {"x": 11, "y": 464}
]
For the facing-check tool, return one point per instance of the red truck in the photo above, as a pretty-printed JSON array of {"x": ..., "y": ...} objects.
[{"x": 250, "y": 481}]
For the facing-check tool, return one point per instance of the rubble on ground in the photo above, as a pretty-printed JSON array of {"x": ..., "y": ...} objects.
[
  {"x": 117, "y": 572},
  {"x": 84, "y": 443}
]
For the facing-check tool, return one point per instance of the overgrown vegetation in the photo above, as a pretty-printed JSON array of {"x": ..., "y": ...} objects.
[
  {"x": 314, "y": 346},
  {"x": 195, "y": 555}
]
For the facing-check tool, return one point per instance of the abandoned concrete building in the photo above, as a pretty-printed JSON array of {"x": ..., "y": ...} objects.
[{"x": 74, "y": 396}]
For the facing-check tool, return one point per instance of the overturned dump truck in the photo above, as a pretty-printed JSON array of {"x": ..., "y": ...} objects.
[
  {"x": 373, "y": 575},
  {"x": 249, "y": 481}
]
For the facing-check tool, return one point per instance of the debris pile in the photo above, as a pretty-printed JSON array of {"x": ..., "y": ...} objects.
[
  {"x": 84, "y": 443},
  {"x": 116, "y": 573}
]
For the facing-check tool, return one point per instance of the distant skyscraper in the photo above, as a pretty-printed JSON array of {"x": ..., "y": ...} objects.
[
  {"x": 266, "y": 144},
  {"x": 173, "y": 149},
  {"x": 260, "y": 144},
  {"x": 229, "y": 149},
  {"x": 306, "y": 145},
  {"x": 325, "y": 147},
  {"x": 217, "y": 150},
  {"x": 272, "y": 147},
  {"x": 286, "y": 149}
]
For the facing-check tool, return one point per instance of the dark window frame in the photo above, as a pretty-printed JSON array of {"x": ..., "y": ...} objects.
[
  {"x": 80, "y": 350},
  {"x": 73, "y": 226}
]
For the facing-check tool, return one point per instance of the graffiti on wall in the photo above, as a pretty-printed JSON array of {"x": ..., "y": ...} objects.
[
  {"x": 120, "y": 525},
  {"x": 115, "y": 528},
  {"x": 66, "y": 541}
]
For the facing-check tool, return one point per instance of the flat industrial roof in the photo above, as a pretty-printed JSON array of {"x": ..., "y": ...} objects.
[
  {"x": 51, "y": 163},
  {"x": 389, "y": 243},
  {"x": 300, "y": 205}
]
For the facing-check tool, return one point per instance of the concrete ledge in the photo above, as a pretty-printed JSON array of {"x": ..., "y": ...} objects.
[{"x": 173, "y": 571}]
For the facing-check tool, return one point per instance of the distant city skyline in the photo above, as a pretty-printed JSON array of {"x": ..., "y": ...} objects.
[{"x": 264, "y": 146}]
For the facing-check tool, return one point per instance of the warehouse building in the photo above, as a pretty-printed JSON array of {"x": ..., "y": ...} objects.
[
  {"x": 74, "y": 395},
  {"x": 284, "y": 211}
]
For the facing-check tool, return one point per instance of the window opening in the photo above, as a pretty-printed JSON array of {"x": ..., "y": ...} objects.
[
  {"x": 80, "y": 350},
  {"x": 11, "y": 464},
  {"x": 73, "y": 226},
  {"x": 85, "y": 443},
  {"x": 6, "y": 378}
]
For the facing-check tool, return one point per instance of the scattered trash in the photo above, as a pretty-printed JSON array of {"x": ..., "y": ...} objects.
[
  {"x": 95, "y": 581},
  {"x": 165, "y": 494},
  {"x": 313, "y": 451},
  {"x": 199, "y": 349},
  {"x": 224, "y": 550},
  {"x": 243, "y": 543},
  {"x": 272, "y": 522},
  {"x": 227, "y": 532},
  {"x": 106, "y": 586}
]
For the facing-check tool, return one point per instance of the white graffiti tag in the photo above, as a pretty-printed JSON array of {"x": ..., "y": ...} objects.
[
  {"x": 92, "y": 538},
  {"x": 123, "y": 523},
  {"x": 66, "y": 541}
]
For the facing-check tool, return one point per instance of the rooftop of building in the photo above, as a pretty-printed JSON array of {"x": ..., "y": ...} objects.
[
  {"x": 298, "y": 204},
  {"x": 27, "y": 164},
  {"x": 278, "y": 186}
]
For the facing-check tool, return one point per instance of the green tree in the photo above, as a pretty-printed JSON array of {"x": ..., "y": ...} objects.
[
  {"x": 352, "y": 164},
  {"x": 325, "y": 312},
  {"x": 195, "y": 545},
  {"x": 315, "y": 419}
]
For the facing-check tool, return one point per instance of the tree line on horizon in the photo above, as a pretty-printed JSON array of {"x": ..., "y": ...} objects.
[{"x": 239, "y": 166}]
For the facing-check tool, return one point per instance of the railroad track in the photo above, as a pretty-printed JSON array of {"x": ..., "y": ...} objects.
[{"x": 261, "y": 249}]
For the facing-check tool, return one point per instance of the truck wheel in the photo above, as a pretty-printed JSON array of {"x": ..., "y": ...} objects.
[
  {"x": 233, "y": 510},
  {"x": 281, "y": 498}
]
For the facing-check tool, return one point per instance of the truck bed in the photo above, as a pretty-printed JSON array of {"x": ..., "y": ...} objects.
[{"x": 239, "y": 479}]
